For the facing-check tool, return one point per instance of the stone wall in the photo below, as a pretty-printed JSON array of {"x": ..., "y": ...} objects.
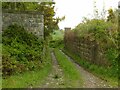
[
  {"x": 85, "y": 48},
  {"x": 31, "y": 21}
]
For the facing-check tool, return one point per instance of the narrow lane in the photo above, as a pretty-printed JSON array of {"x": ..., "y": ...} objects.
[
  {"x": 55, "y": 78},
  {"x": 90, "y": 80}
]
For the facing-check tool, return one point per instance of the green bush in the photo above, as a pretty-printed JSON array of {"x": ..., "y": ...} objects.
[
  {"x": 22, "y": 51},
  {"x": 57, "y": 39},
  {"x": 56, "y": 43},
  {"x": 104, "y": 33}
]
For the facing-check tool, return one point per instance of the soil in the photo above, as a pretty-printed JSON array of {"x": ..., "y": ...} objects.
[{"x": 56, "y": 79}]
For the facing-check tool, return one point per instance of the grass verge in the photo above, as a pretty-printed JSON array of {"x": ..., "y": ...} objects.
[
  {"x": 30, "y": 78},
  {"x": 99, "y": 71},
  {"x": 71, "y": 73}
]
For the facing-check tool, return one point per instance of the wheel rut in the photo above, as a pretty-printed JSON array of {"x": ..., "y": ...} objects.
[
  {"x": 90, "y": 80},
  {"x": 56, "y": 77}
]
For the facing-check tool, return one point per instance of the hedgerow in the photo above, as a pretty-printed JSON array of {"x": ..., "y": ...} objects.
[{"x": 21, "y": 51}]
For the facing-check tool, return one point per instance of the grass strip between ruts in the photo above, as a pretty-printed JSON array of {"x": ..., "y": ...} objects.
[{"x": 72, "y": 74}]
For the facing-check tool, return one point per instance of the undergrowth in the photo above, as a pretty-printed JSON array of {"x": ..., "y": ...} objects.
[
  {"x": 26, "y": 59},
  {"x": 108, "y": 74},
  {"x": 21, "y": 51},
  {"x": 57, "y": 39},
  {"x": 30, "y": 79}
]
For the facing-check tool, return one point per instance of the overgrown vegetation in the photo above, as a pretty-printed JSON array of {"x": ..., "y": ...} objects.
[
  {"x": 72, "y": 74},
  {"x": 21, "y": 51},
  {"x": 57, "y": 39},
  {"x": 26, "y": 60},
  {"x": 105, "y": 33},
  {"x": 108, "y": 74},
  {"x": 30, "y": 78}
]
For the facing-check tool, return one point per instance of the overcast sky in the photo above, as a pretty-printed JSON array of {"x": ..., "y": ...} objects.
[{"x": 75, "y": 10}]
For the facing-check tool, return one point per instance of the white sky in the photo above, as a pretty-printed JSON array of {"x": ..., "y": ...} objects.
[{"x": 75, "y": 10}]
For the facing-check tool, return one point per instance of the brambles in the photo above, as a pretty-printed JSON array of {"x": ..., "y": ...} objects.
[{"x": 22, "y": 51}]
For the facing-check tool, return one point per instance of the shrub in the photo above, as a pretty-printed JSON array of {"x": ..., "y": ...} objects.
[{"x": 22, "y": 51}]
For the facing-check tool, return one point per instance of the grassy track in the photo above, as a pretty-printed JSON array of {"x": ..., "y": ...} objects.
[
  {"x": 29, "y": 79},
  {"x": 96, "y": 70},
  {"x": 72, "y": 75}
]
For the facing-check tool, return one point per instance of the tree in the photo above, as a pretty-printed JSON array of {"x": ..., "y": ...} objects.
[
  {"x": 50, "y": 22},
  {"x": 47, "y": 9},
  {"x": 113, "y": 19},
  {"x": 111, "y": 15}
]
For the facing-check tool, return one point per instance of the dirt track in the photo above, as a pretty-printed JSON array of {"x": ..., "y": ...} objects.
[{"x": 56, "y": 79}]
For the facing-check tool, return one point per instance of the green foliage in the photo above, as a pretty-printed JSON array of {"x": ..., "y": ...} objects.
[
  {"x": 46, "y": 8},
  {"x": 58, "y": 35},
  {"x": 109, "y": 74},
  {"x": 57, "y": 39},
  {"x": 30, "y": 78},
  {"x": 94, "y": 28},
  {"x": 111, "y": 16},
  {"x": 22, "y": 51},
  {"x": 17, "y": 34},
  {"x": 104, "y": 33},
  {"x": 112, "y": 55},
  {"x": 56, "y": 43},
  {"x": 20, "y": 5},
  {"x": 50, "y": 22}
]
